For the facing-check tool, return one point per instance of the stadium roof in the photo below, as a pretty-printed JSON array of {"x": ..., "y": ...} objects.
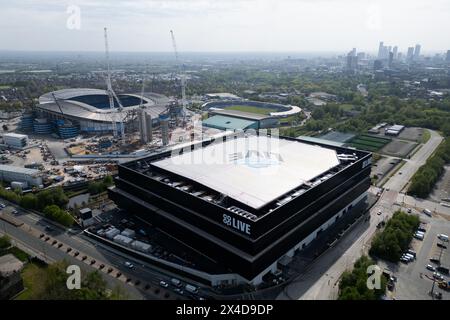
[
  {"x": 239, "y": 114},
  {"x": 154, "y": 103},
  {"x": 224, "y": 123},
  {"x": 253, "y": 170}
]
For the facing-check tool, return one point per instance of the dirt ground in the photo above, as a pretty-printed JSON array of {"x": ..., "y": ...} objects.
[{"x": 398, "y": 148}]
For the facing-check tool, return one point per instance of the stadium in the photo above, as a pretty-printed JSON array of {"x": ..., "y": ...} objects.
[
  {"x": 244, "y": 201},
  {"x": 89, "y": 109},
  {"x": 273, "y": 110}
]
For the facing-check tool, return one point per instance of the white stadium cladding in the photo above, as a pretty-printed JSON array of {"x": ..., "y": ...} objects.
[{"x": 96, "y": 115}]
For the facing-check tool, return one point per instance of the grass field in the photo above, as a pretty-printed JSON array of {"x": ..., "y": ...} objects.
[
  {"x": 251, "y": 109},
  {"x": 4, "y": 87},
  {"x": 369, "y": 143},
  {"x": 30, "y": 275}
]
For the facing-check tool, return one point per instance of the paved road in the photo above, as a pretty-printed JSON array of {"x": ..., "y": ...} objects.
[
  {"x": 321, "y": 282},
  {"x": 35, "y": 224},
  {"x": 399, "y": 181}
]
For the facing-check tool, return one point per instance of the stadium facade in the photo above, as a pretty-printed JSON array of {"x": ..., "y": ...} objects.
[
  {"x": 89, "y": 111},
  {"x": 244, "y": 201}
]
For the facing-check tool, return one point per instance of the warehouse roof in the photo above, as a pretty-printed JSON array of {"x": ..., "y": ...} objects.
[
  {"x": 253, "y": 170},
  {"x": 4, "y": 167},
  {"x": 224, "y": 123}
]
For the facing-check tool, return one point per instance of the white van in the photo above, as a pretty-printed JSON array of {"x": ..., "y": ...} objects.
[
  {"x": 443, "y": 237},
  {"x": 190, "y": 288},
  {"x": 427, "y": 212}
]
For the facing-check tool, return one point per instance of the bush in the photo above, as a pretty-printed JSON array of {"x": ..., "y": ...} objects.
[
  {"x": 395, "y": 238},
  {"x": 353, "y": 285},
  {"x": 424, "y": 179},
  {"x": 55, "y": 213},
  {"x": 96, "y": 187},
  {"x": 5, "y": 242}
]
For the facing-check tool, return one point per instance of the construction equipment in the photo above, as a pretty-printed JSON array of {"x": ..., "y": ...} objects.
[
  {"x": 111, "y": 94},
  {"x": 182, "y": 78}
]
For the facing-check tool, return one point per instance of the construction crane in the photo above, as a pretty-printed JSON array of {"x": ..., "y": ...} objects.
[
  {"x": 111, "y": 94},
  {"x": 182, "y": 78},
  {"x": 57, "y": 103}
]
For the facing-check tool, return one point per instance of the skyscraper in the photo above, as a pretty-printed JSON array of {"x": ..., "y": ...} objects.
[
  {"x": 394, "y": 51},
  {"x": 410, "y": 53},
  {"x": 417, "y": 52},
  {"x": 380, "y": 50}
]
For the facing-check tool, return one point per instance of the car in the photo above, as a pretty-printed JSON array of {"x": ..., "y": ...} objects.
[
  {"x": 2, "y": 206},
  {"x": 409, "y": 256},
  {"x": 379, "y": 213},
  {"x": 438, "y": 276},
  {"x": 443, "y": 237},
  {"x": 14, "y": 212},
  {"x": 163, "y": 284},
  {"x": 49, "y": 229},
  {"x": 129, "y": 265},
  {"x": 421, "y": 229},
  {"x": 434, "y": 260},
  {"x": 430, "y": 267},
  {"x": 412, "y": 252},
  {"x": 179, "y": 291},
  {"x": 418, "y": 236}
]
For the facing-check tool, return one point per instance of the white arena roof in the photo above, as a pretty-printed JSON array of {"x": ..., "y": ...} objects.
[{"x": 253, "y": 170}]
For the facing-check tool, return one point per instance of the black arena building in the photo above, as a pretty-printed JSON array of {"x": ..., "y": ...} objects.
[{"x": 244, "y": 201}]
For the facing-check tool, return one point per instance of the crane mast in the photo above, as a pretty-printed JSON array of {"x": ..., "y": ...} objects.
[
  {"x": 111, "y": 94},
  {"x": 182, "y": 77}
]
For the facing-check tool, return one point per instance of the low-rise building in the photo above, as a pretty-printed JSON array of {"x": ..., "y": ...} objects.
[
  {"x": 30, "y": 177},
  {"x": 10, "y": 278},
  {"x": 15, "y": 140}
]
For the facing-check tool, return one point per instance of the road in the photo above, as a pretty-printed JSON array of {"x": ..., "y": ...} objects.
[
  {"x": 321, "y": 281},
  {"x": 34, "y": 225},
  {"x": 399, "y": 181}
]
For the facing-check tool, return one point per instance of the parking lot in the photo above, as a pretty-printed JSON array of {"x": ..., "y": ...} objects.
[{"x": 414, "y": 279}]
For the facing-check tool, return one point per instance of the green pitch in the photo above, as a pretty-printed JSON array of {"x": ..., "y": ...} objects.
[{"x": 251, "y": 109}]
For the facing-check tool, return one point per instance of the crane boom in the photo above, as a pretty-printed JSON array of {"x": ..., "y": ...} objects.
[
  {"x": 111, "y": 94},
  {"x": 182, "y": 77}
]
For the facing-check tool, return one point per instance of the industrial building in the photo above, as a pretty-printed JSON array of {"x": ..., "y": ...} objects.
[
  {"x": 15, "y": 140},
  {"x": 244, "y": 201},
  {"x": 394, "y": 130},
  {"x": 28, "y": 177},
  {"x": 70, "y": 111}
]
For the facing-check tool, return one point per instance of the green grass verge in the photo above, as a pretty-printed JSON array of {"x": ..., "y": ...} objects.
[
  {"x": 426, "y": 135},
  {"x": 19, "y": 254},
  {"x": 4, "y": 87},
  {"x": 251, "y": 109},
  {"x": 30, "y": 275}
]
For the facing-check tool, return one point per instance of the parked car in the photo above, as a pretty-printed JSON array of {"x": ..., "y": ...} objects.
[
  {"x": 430, "y": 267},
  {"x": 163, "y": 284},
  {"x": 412, "y": 252},
  {"x": 129, "y": 265},
  {"x": 443, "y": 237},
  {"x": 438, "y": 276}
]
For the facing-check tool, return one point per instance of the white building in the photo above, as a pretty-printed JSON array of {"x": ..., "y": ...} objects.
[
  {"x": 15, "y": 140},
  {"x": 30, "y": 177}
]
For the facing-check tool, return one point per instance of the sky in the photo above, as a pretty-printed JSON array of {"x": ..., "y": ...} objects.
[{"x": 224, "y": 25}]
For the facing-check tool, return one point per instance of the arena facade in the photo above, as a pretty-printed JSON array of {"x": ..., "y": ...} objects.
[
  {"x": 245, "y": 201},
  {"x": 89, "y": 109}
]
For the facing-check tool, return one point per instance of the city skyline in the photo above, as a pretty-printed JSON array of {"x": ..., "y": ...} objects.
[{"x": 229, "y": 26}]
